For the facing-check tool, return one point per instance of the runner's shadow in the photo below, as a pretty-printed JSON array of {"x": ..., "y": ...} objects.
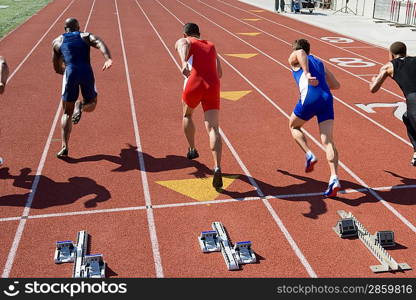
[
  {"x": 50, "y": 193},
  {"x": 308, "y": 185},
  {"x": 400, "y": 196},
  {"x": 405, "y": 180},
  {"x": 129, "y": 160}
]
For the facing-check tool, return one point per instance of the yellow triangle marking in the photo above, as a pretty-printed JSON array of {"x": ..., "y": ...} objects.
[
  {"x": 252, "y": 20},
  {"x": 243, "y": 55},
  {"x": 234, "y": 95},
  {"x": 257, "y": 10},
  {"x": 249, "y": 33},
  {"x": 199, "y": 189}
]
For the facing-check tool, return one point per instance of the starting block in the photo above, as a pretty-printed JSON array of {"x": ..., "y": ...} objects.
[
  {"x": 208, "y": 240},
  {"x": 85, "y": 266},
  {"x": 385, "y": 238},
  {"x": 218, "y": 240},
  {"x": 94, "y": 266},
  {"x": 346, "y": 228},
  {"x": 64, "y": 252},
  {"x": 374, "y": 243},
  {"x": 244, "y": 253}
]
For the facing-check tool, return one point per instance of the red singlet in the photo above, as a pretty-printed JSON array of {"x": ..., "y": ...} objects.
[{"x": 203, "y": 85}]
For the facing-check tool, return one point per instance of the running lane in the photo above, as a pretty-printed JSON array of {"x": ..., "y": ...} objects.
[
  {"x": 178, "y": 227},
  {"x": 101, "y": 174},
  {"x": 274, "y": 142},
  {"x": 28, "y": 110}
]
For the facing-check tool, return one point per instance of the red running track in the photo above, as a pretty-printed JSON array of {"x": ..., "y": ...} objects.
[{"x": 112, "y": 186}]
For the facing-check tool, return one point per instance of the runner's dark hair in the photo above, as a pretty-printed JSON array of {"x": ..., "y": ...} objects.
[{"x": 302, "y": 44}]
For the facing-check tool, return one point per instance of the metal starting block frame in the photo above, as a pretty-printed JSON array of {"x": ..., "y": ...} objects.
[
  {"x": 374, "y": 243},
  {"x": 80, "y": 252},
  {"x": 217, "y": 240},
  {"x": 85, "y": 266}
]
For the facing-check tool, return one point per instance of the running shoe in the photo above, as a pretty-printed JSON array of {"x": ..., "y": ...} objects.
[
  {"x": 192, "y": 153},
  {"x": 76, "y": 117},
  {"x": 310, "y": 162},
  {"x": 333, "y": 187},
  {"x": 63, "y": 153},
  {"x": 217, "y": 179},
  {"x": 1, "y": 161},
  {"x": 413, "y": 162}
]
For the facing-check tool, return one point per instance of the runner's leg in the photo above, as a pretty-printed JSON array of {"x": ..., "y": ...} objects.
[
  {"x": 326, "y": 131},
  {"x": 188, "y": 125},
  {"x": 215, "y": 142}
]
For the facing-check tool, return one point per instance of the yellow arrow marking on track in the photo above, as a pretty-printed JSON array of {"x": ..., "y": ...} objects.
[
  {"x": 243, "y": 55},
  {"x": 252, "y": 20},
  {"x": 249, "y": 33},
  {"x": 234, "y": 95},
  {"x": 199, "y": 189}
]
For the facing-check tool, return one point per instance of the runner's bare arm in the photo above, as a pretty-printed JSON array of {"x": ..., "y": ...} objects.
[
  {"x": 377, "y": 81},
  {"x": 57, "y": 56},
  {"x": 331, "y": 80},
  {"x": 96, "y": 42},
  {"x": 4, "y": 74},
  {"x": 182, "y": 47},
  {"x": 299, "y": 58},
  {"x": 219, "y": 68}
]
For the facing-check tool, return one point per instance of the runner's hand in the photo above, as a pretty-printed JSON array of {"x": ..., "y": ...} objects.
[
  {"x": 107, "y": 64},
  {"x": 185, "y": 70},
  {"x": 312, "y": 80}
]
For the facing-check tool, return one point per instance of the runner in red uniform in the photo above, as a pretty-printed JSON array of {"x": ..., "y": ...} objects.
[{"x": 202, "y": 69}]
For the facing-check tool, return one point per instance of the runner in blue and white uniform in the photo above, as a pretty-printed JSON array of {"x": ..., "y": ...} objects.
[
  {"x": 314, "y": 82},
  {"x": 71, "y": 58}
]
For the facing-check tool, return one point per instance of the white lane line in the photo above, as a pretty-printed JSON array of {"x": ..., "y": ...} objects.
[
  {"x": 287, "y": 68},
  {"x": 19, "y": 232},
  {"x": 273, "y": 213},
  {"x": 331, "y": 44},
  {"x": 37, "y": 44},
  {"x": 311, "y": 36},
  {"x": 355, "y": 176},
  {"x": 150, "y": 217},
  {"x": 219, "y": 201}
]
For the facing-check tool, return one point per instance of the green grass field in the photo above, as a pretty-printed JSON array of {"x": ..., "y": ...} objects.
[{"x": 17, "y": 12}]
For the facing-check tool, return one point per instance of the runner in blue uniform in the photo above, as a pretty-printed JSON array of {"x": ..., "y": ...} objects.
[
  {"x": 71, "y": 58},
  {"x": 314, "y": 82}
]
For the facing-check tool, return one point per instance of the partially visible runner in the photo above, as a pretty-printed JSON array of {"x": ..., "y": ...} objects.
[
  {"x": 71, "y": 57},
  {"x": 314, "y": 82},
  {"x": 202, "y": 69},
  {"x": 402, "y": 69},
  {"x": 4, "y": 74}
]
